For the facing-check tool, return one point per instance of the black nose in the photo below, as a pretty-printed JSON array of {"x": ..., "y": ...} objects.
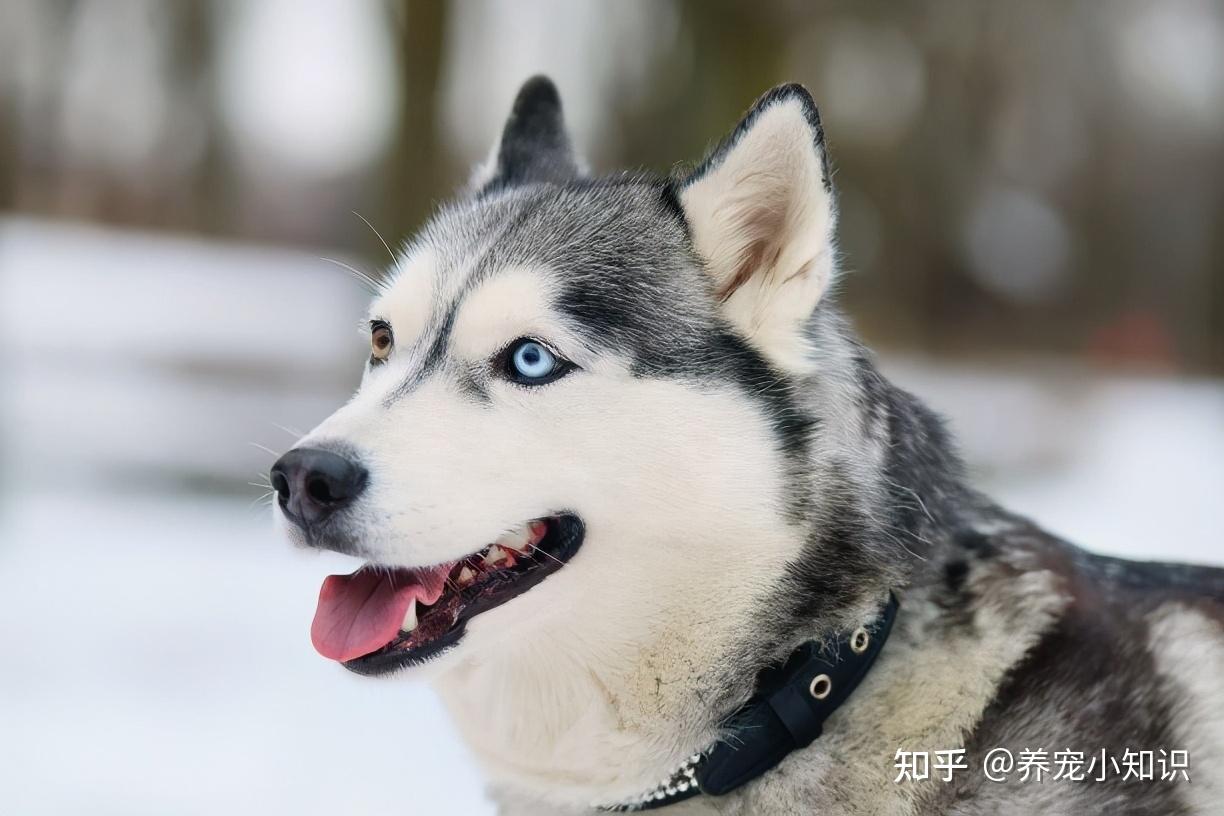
[{"x": 311, "y": 484}]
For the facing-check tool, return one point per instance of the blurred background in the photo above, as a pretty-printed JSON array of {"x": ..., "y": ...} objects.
[{"x": 1032, "y": 220}]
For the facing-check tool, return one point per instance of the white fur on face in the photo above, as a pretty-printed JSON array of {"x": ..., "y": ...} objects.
[
  {"x": 508, "y": 306},
  {"x": 583, "y": 676},
  {"x": 450, "y": 473},
  {"x": 576, "y": 683},
  {"x": 409, "y": 300},
  {"x": 763, "y": 220}
]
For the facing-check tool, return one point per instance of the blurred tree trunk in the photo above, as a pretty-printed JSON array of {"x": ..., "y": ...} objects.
[
  {"x": 8, "y": 152},
  {"x": 206, "y": 205},
  {"x": 418, "y": 170},
  {"x": 715, "y": 91},
  {"x": 1214, "y": 358}
]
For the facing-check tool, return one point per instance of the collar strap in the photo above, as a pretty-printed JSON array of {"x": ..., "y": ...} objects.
[{"x": 786, "y": 713}]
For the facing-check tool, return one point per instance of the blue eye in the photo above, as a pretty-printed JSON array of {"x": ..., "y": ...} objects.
[{"x": 531, "y": 363}]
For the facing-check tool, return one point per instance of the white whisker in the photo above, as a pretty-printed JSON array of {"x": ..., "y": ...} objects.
[
  {"x": 535, "y": 550},
  {"x": 264, "y": 448},
  {"x": 265, "y": 498},
  {"x": 386, "y": 246},
  {"x": 294, "y": 432},
  {"x": 369, "y": 282}
]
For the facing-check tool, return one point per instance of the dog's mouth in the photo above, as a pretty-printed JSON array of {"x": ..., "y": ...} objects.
[{"x": 382, "y": 618}]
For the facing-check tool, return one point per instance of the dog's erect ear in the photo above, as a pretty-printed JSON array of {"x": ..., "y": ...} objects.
[
  {"x": 761, "y": 213},
  {"x": 534, "y": 146}
]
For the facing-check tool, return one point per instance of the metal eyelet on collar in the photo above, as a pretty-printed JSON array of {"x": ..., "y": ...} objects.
[
  {"x": 777, "y": 719},
  {"x": 821, "y": 686}
]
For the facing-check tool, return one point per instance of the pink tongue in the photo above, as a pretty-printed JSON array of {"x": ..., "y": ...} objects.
[{"x": 360, "y": 613}]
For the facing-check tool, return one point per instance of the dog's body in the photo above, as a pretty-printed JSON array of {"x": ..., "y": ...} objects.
[{"x": 746, "y": 481}]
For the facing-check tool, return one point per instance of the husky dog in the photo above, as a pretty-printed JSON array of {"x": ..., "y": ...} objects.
[{"x": 616, "y": 456}]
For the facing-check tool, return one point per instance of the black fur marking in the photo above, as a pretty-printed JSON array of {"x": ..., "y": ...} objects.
[
  {"x": 729, "y": 357},
  {"x": 534, "y": 146},
  {"x": 431, "y": 361},
  {"x": 671, "y": 203},
  {"x": 922, "y": 473},
  {"x": 1190, "y": 580},
  {"x": 780, "y": 94},
  {"x": 873, "y": 396},
  {"x": 1095, "y": 671},
  {"x": 837, "y": 567},
  {"x": 975, "y": 542},
  {"x": 715, "y": 355},
  {"x": 954, "y": 597},
  {"x": 485, "y": 264},
  {"x": 955, "y": 573},
  {"x": 472, "y": 385}
]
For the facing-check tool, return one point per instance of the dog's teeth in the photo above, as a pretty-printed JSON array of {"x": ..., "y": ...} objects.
[
  {"x": 410, "y": 617},
  {"x": 524, "y": 538},
  {"x": 466, "y": 576},
  {"x": 513, "y": 540},
  {"x": 496, "y": 555}
]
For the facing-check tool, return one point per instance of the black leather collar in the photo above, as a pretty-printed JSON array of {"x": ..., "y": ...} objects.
[{"x": 787, "y": 712}]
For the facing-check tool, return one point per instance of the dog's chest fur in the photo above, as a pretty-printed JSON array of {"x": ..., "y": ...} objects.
[{"x": 1013, "y": 639}]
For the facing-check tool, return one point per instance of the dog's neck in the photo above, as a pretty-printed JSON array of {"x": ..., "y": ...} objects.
[{"x": 921, "y": 473}]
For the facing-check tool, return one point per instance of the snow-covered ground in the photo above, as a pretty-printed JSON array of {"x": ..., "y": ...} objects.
[
  {"x": 157, "y": 661},
  {"x": 154, "y": 629}
]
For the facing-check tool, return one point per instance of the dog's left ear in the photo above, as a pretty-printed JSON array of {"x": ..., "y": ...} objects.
[
  {"x": 761, "y": 213},
  {"x": 534, "y": 146}
]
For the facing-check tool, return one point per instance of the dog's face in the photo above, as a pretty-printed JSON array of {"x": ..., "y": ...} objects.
[{"x": 580, "y": 395}]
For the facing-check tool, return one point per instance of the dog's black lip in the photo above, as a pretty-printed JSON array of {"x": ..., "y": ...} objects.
[{"x": 564, "y": 539}]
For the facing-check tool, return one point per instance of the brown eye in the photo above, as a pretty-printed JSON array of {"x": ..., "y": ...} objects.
[{"x": 381, "y": 341}]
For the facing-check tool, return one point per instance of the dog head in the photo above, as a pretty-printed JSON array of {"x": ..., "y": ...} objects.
[{"x": 602, "y": 438}]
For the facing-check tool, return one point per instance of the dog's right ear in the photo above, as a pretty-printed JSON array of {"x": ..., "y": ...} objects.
[
  {"x": 761, "y": 213},
  {"x": 534, "y": 146}
]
